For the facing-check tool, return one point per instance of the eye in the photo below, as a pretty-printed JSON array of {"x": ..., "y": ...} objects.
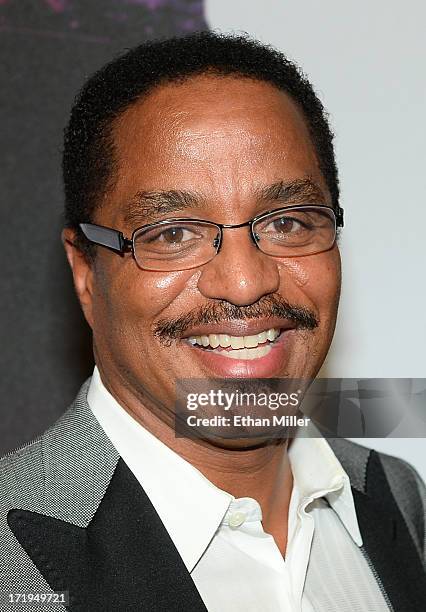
[
  {"x": 292, "y": 227},
  {"x": 284, "y": 225},
  {"x": 173, "y": 235}
]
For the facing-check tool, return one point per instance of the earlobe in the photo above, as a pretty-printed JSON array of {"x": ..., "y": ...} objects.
[{"x": 82, "y": 273}]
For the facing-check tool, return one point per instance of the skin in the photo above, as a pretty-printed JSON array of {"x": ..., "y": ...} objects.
[{"x": 223, "y": 138}]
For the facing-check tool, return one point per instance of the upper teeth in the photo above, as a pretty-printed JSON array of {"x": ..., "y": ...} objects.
[{"x": 235, "y": 342}]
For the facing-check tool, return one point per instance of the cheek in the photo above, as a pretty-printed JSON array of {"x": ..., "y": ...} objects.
[
  {"x": 139, "y": 297},
  {"x": 317, "y": 279},
  {"x": 325, "y": 282},
  {"x": 298, "y": 272},
  {"x": 161, "y": 290}
]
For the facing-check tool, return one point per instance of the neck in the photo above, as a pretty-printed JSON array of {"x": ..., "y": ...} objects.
[{"x": 260, "y": 473}]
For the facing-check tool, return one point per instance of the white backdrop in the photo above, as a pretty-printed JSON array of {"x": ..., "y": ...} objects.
[{"x": 367, "y": 62}]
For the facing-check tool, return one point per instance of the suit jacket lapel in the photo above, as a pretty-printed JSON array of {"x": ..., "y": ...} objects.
[{"x": 124, "y": 560}]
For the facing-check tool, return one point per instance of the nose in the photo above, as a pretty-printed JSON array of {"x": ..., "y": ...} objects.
[{"x": 240, "y": 273}]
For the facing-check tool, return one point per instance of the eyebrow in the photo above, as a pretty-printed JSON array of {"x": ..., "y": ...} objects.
[
  {"x": 145, "y": 206},
  {"x": 299, "y": 191}
]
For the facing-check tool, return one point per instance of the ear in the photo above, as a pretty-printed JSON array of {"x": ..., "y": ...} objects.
[{"x": 82, "y": 273}]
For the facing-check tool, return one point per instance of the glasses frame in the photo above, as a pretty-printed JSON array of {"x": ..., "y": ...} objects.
[{"x": 116, "y": 241}]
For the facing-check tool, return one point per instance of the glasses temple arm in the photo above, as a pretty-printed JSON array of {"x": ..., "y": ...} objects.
[{"x": 105, "y": 236}]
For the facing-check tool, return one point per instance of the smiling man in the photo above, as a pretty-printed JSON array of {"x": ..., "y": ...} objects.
[{"x": 202, "y": 211}]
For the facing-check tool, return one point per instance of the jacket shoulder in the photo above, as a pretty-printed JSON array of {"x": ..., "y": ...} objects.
[
  {"x": 19, "y": 470},
  {"x": 24, "y": 472}
]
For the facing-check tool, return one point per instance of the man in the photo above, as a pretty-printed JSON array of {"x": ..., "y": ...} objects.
[{"x": 202, "y": 206}]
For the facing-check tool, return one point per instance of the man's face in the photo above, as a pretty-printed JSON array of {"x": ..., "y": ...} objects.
[{"x": 223, "y": 140}]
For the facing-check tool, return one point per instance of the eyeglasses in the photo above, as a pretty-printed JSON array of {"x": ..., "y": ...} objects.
[{"x": 182, "y": 244}]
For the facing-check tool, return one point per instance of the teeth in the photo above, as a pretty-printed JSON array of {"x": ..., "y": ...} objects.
[
  {"x": 251, "y": 341},
  {"x": 262, "y": 337},
  {"x": 248, "y": 353},
  {"x": 224, "y": 340},
  {"x": 270, "y": 334},
  {"x": 214, "y": 340},
  {"x": 239, "y": 344}
]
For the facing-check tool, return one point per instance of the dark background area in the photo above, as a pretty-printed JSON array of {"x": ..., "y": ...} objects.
[{"x": 47, "y": 49}]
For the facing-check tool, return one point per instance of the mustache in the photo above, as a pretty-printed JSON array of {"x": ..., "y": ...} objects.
[{"x": 169, "y": 330}]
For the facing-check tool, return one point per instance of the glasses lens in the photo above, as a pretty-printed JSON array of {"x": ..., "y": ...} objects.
[
  {"x": 297, "y": 231},
  {"x": 175, "y": 245}
]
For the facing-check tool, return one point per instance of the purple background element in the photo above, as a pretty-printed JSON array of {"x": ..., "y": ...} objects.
[
  {"x": 47, "y": 49},
  {"x": 106, "y": 21}
]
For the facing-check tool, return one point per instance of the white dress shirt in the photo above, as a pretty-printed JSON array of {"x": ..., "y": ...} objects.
[{"x": 237, "y": 566}]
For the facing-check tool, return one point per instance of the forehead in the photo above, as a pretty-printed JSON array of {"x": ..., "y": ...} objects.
[{"x": 225, "y": 137}]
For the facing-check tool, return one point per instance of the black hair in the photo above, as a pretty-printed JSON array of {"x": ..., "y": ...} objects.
[{"x": 88, "y": 156}]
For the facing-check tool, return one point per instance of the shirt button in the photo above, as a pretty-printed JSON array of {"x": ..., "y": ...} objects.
[{"x": 236, "y": 519}]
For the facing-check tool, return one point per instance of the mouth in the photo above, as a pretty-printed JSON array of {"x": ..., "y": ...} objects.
[
  {"x": 256, "y": 349},
  {"x": 248, "y": 347}
]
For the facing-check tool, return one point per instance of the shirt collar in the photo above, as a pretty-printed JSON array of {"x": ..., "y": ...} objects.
[
  {"x": 318, "y": 473},
  {"x": 189, "y": 505}
]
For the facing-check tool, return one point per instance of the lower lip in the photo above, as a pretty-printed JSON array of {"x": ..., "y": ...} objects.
[{"x": 264, "y": 367}]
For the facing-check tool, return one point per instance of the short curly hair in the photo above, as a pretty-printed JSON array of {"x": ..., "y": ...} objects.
[{"x": 88, "y": 156}]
